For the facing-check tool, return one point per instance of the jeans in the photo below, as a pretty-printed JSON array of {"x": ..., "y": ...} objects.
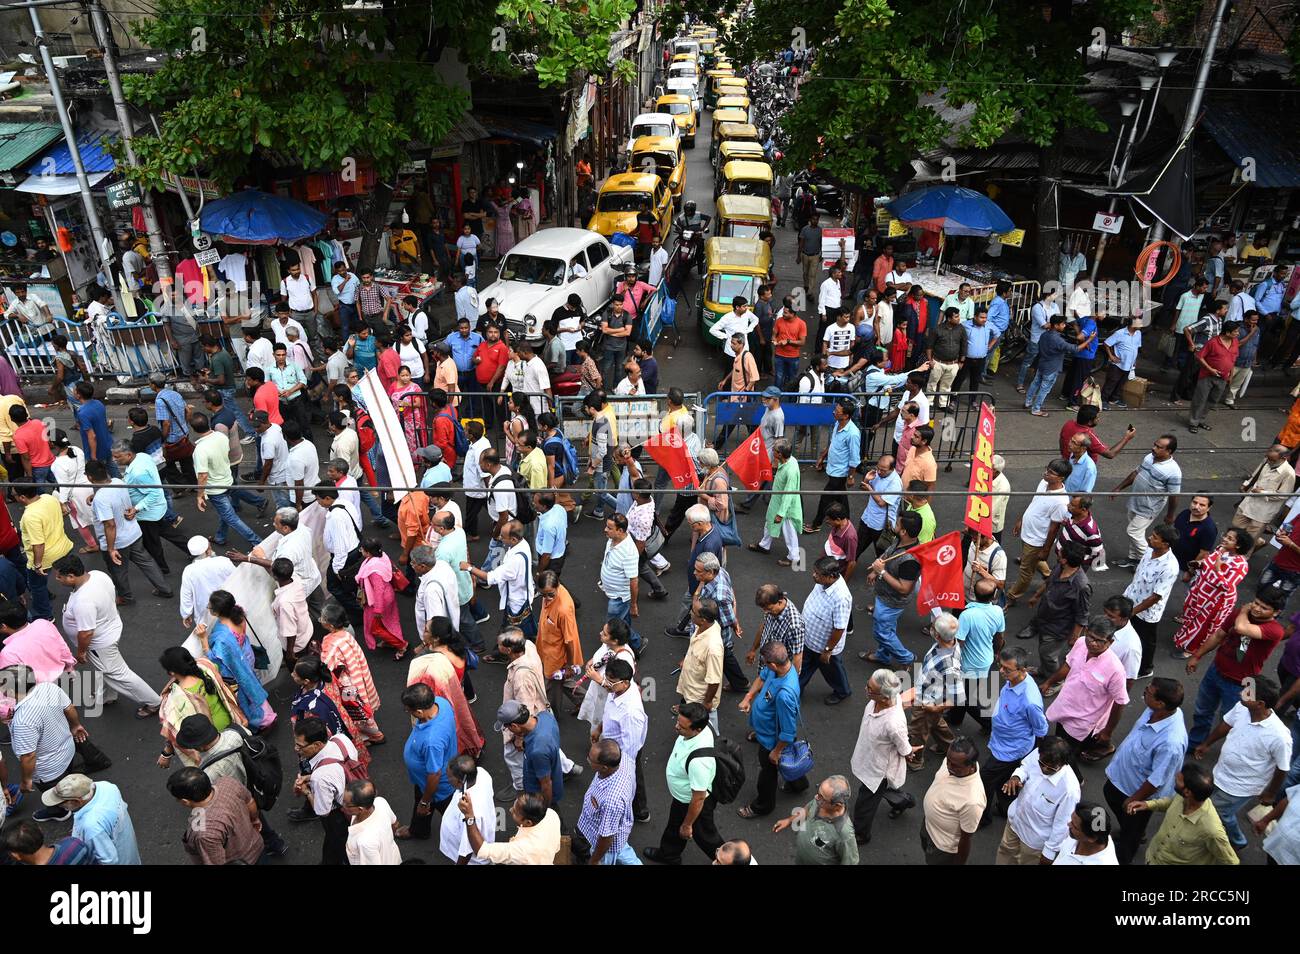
[
  {"x": 38, "y": 585},
  {"x": 1285, "y": 580},
  {"x": 1228, "y": 806},
  {"x": 622, "y": 609},
  {"x": 282, "y": 497},
  {"x": 1031, "y": 352},
  {"x": 833, "y": 671},
  {"x": 886, "y": 632},
  {"x": 624, "y": 856},
  {"x": 1215, "y": 696},
  {"x": 787, "y": 369},
  {"x": 605, "y": 503},
  {"x": 1293, "y": 775},
  {"x": 347, "y": 319},
  {"x": 224, "y": 505},
  {"x": 372, "y": 502},
  {"x": 1040, "y": 389},
  {"x": 42, "y": 476},
  {"x": 241, "y": 418}
]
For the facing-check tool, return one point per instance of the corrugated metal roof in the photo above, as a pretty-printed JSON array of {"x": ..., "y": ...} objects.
[
  {"x": 20, "y": 141},
  {"x": 1243, "y": 134},
  {"x": 94, "y": 156}
]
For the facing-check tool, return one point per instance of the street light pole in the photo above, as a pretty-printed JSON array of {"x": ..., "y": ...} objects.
[
  {"x": 157, "y": 248},
  {"x": 103, "y": 248}
]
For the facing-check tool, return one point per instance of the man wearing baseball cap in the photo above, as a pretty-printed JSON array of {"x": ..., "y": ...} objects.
[
  {"x": 538, "y": 737},
  {"x": 437, "y": 472},
  {"x": 772, "y": 427},
  {"x": 99, "y": 818}
]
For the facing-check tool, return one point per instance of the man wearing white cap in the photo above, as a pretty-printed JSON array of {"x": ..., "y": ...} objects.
[
  {"x": 206, "y": 574},
  {"x": 100, "y": 818}
]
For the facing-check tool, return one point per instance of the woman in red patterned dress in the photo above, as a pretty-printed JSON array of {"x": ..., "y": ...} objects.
[{"x": 1213, "y": 592}]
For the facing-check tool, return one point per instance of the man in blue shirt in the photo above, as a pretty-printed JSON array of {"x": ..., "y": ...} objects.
[
  {"x": 1084, "y": 359},
  {"x": 773, "y": 706},
  {"x": 345, "y": 285},
  {"x": 1122, "y": 348},
  {"x": 540, "y": 735},
  {"x": 1018, "y": 721},
  {"x": 708, "y": 539},
  {"x": 1146, "y": 762},
  {"x": 92, "y": 419},
  {"x": 430, "y": 746},
  {"x": 886, "y": 486},
  {"x": 979, "y": 632},
  {"x": 552, "y": 534},
  {"x": 463, "y": 342},
  {"x": 150, "y": 503},
  {"x": 999, "y": 321},
  {"x": 1083, "y": 469},
  {"x": 841, "y": 458},
  {"x": 1248, "y": 338},
  {"x": 981, "y": 338},
  {"x": 1052, "y": 349},
  {"x": 876, "y": 379}
]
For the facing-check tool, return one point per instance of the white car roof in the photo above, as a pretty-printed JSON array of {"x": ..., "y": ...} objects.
[
  {"x": 556, "y": 242},
  {"x": 661, "y": 118}
]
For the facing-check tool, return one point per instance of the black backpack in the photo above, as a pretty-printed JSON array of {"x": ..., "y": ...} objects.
[
  {"x": 525, "y": 512},
  {"x": 730, "y": 778},
  {"x": 261, "y": 766}
]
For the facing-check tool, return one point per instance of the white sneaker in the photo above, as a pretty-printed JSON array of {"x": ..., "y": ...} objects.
[
  {"x": 247, "y": 440},
  {"x": 661, "y": 570}
]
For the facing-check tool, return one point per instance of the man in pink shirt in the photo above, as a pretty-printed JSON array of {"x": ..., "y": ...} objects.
[
  {"x": 1093, "y": 693},
  {"x": 37, "y": 645}
]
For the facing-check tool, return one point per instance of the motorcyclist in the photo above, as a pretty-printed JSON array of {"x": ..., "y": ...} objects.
[{"x": 690, "y": 219}]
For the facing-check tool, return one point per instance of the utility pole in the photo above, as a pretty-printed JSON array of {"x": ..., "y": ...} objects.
[
  {"x": 103, "y": 248},
  {"x": 157, "y": 248},
  {"x": 1198, "y": 94}
]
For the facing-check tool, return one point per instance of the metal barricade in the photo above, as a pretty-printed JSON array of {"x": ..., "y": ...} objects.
[
  {"x": 417, "y": 413},
  {"x": 113, "y": 349},
  {"x": 954, "y": 426},
  {"x": 1021, "y": 299},
  {"x": 637, "y": 417}
]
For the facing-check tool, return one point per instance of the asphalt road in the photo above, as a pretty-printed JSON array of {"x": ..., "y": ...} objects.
[{"x": 152, "y": 625}]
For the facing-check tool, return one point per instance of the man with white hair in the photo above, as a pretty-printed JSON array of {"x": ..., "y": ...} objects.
[
  {"x": 705, "y": 538},
  {"x": 939, "y": 688},
  {"x": 715, "y": 584},
  {"x": 206, "y": 574},
  {"x": 438, "y": 593},
  {"x": 880, "y": 754},
  {"x": 823, "y": 829},
  {"x": 1046, "y": 791},
  {"x": 1001, "y": 488},
  {"x": 513, "y": 576},
  {"x": 296, "y": 544}
]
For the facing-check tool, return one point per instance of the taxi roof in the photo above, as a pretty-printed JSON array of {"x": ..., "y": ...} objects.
[
  {"x": 656, "y": 144},
  {"x": 631, "y": 182},
  {"x": 728, "y": 252},
  {"x": 745, "y": 206},
  {"x": 747, "y": 169}
]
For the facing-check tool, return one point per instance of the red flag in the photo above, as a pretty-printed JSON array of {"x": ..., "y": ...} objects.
[
  {"x": 979, "y": 505},
  {"x": 750, "y": 461},
  {"x": 941, "y": 581},
  {"x": 669, "y": 452}
]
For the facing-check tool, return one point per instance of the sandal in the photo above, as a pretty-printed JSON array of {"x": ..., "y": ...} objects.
[
  {"x": 1096, "y": 755},
  {"x": 146, "y": 712},
  {"x": 399, "y": 656},
  {"x": 747, "y": 812},
  {"x": 86, "y": 551}
]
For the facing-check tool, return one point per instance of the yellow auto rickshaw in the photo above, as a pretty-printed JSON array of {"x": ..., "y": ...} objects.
[
  {"x": 730, "y": 149},
  {"x": 733, "y": 102},
  {"x": 710, "y": 84},
  {"x": 743, "y": 216},
  {"x": 720, "y": 118},
  {"x": 661, "y": 155},
  {"x": 732, "y": 86},
  {"x": 731, "y": 130},
  {"x": 683, "y": 112},
  {"x": 625, "y": 197},
  {"x": 746, "y": 177},
  {"x": 733, "y": 266}
]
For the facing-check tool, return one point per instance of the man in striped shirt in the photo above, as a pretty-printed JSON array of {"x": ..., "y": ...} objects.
[
  {"x": 44, "y": 731},
  {"x": 1082, "y": 529},
  {"x": 715, "y": 584},
  {"x": 606, "y": 819},
  {"x": 826, "y": 616},
  {"x": 782, "y": 623}
]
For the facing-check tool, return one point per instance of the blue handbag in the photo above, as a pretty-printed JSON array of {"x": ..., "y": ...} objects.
[{"x": 796, "y": 760}]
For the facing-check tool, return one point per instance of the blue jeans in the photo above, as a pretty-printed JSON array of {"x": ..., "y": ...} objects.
[
  {"x": 42, "y": 476},
  {"x": 886, "y": 631},
  {"x": 38, "y": 585},
  {"x": 1040, "y": 389},
  {"x": 624, "y": 856},
  {"x": 622, "y": 609},
  {"x": 282, "y": 497},
  {"x": 605, "y": 503},
  {"x": 372, "y": 501},
  {"x": 347, "y": 319},
  {"x": 1215, "y": 697},
  {"x": 1285, "y": 580},
  {"x": 1228, "y": 806},
  {"x": 241, "y": 418},
  {"x": 1031, "y": 352},
  {"x": 834, "y": 672},
  {"x": 224, "y": 505},
  {"x": 787, "y": 369}
]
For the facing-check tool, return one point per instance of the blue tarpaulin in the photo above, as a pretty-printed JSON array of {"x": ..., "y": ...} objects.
[
  {"x": 952, "y": 209},
  {"x": 252, "y": 217},
  {"x": 57, "y": 161}
]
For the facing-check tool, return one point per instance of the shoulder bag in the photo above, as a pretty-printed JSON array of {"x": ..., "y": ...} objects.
[{"x": 182, "y": 449}]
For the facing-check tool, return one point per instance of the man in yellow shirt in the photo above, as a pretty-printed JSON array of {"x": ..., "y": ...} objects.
[
  {"x": 1191, "y": 833},
  {"x": 536, "y": 842},
  {"x": 7, "y": 427},
  {"x": 44, "y": 541}
]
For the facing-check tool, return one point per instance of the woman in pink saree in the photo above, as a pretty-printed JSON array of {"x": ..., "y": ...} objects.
[
  {"x": 409, "y": 408},
  {"x": 382, "y": 621},
  {"x": 436, "y": 670}
]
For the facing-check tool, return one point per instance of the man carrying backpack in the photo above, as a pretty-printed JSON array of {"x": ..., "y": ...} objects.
[
  {"x": 326, "y": 764},
  {"x": 447, "y": 432},
  {"x": 561, "y": 460},
  {"x": 691, "y": 783}
]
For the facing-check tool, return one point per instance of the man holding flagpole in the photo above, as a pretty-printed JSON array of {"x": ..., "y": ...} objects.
[{"x": 771, "y": 428}]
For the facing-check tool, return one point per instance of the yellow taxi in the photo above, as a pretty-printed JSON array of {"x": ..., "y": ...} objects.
[
  {"x": 733, "y": 102},
  {"x": 683, "y": 113},
  {"x": 661, "y": 155},
  {"x": 625, "y": 197},
  {"x": 743, "y": 216},
  {"x": 743, "y": 177}
]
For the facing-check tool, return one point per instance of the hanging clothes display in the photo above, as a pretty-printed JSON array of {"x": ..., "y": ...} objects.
[{"x": 307, "y": 256}]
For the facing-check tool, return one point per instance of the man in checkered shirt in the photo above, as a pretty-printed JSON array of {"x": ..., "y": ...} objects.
[
  {"x": 825, "y": 617},
  {"x": 782, "y": 623},
  {"x": 606, "y": 819},
  {"x": 715, "y": 584}
]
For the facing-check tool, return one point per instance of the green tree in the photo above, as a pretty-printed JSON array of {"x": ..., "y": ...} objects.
[
  {"x": 881, "y": 67},
  {"x": 331, "y": 87}
]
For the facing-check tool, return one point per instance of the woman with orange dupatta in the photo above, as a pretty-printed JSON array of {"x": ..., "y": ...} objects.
[
  {"x": 340, "y": 654},
  {"x": 383, "y": 623},
  {"x": 437, "y": 671},
  {"x": 194, "y": 687}
]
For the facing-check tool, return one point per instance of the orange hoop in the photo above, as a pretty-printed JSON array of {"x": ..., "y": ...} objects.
[{"x": 1144, "y": 259}]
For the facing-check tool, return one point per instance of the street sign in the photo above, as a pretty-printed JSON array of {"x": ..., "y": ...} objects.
[
  {"x": 203, "y": 243},
  {"x": 122, "y": 195},
  {"x": 208, "y": 256},
  {"x": 1015, "y": 238},
  {"x": 1107, "y": 222}
]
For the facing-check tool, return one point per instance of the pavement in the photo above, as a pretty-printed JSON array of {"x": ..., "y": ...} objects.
[{"x": 1214, "y": 462}]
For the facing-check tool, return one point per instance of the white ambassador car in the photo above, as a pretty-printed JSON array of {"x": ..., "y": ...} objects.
[{"x": 539, "y": 274}]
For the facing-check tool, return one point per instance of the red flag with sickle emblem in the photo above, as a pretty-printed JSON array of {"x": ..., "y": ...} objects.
[
  {"x": 669, "y": 452},
  {"x": 750, "y": 461},
  {"x": 941, "y": 582}
]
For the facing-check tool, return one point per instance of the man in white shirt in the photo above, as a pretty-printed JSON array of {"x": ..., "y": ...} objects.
[
  {"x": 93, "y": 627},
  {"x": 30, "y": 310},
  {"x": 829, "y": 300},
  {"x": 343, "y": 541},
  {"x": 513, "y": 577},
  {"x": 275, "y": 457},
  {"x": 1038, "y": 525},
  {"x": 282, "y": 321},
  {"x": 837, "y": 341},
  {"x": 624, "y": 721},
  {"x": 1240, "y": 302},
  {"x": 304, "y": 466},
  {"x": 336, "y": 472},
  {"x": 658, "y": 261},
  {"x": 297, "y": 544},
  {"x": 1080, "y": 305},
  {"x": 900, "y": 280},
  {"x": 1127, "y": 644},
  {"x": 1046, "y": 791},
  {"x": 469, "y": 778},
  {"x": 258, "y": 351},
  {"x": 537, "y": 380},
  {"x": 740, "y": 320},
  {"x": 473, "y": 479},
  {"x": 371, "y": 828},
  {"x": 438, "y": 593},
  {"x": 324, "y": 785},
  {"x": 466, "y": 300},
  {"x": 300, "y": 291},
  {"x": 206, "y": 574},
  {"x": 121, "y": 539}
]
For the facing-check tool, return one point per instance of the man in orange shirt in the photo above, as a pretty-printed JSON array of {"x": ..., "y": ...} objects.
[
  {"x": 789, "y": 334},
  {"x": 883, "y": 266},
  {"x": 266, "y": 396},
  {"x": 412, "y": 526},
  {"x": 388, "y": 362},
  {"x": 31, "y": 444},
  {"x": 557, "y": 639},
  {"x": 921, "y": 464}
]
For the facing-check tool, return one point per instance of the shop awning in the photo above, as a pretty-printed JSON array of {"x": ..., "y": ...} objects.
[
  {"x": 20, "y": 141},
  {"x": 520, "y": 130},
  {"x": 1242, "y": 135},
  {"x": 54, "y": 174}
]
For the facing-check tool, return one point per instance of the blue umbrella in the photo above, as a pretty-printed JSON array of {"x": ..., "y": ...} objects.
[
  {"x": 951, "y": 209},
  {"x": 252, "y": 217}
]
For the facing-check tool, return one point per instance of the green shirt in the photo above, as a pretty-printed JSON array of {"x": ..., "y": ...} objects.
[
  {"x": 1195, "y": 839},
  {"x": 212, "y": 457},
  {"x": 702, "y": 770},
  {"x": 824, "y": 841},
  {"x": 221, "y": 368},
  {"x": 928, "y": 523}
]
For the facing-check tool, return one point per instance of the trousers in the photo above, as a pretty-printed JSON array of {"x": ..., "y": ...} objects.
[
  {"x": 119, "y": 677},
  {"x": 704, "y": 831},
  {"x": 1131, "y": 827},
  {"x": 868, "y": 802},
  {"x": 133, "y": 553}
]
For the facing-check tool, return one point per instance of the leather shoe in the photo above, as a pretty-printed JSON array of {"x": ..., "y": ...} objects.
[
  {"x": 676, "y": 633},
  {"x": 657, "y": 856},
  {"x": 834, "y": 700}
]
